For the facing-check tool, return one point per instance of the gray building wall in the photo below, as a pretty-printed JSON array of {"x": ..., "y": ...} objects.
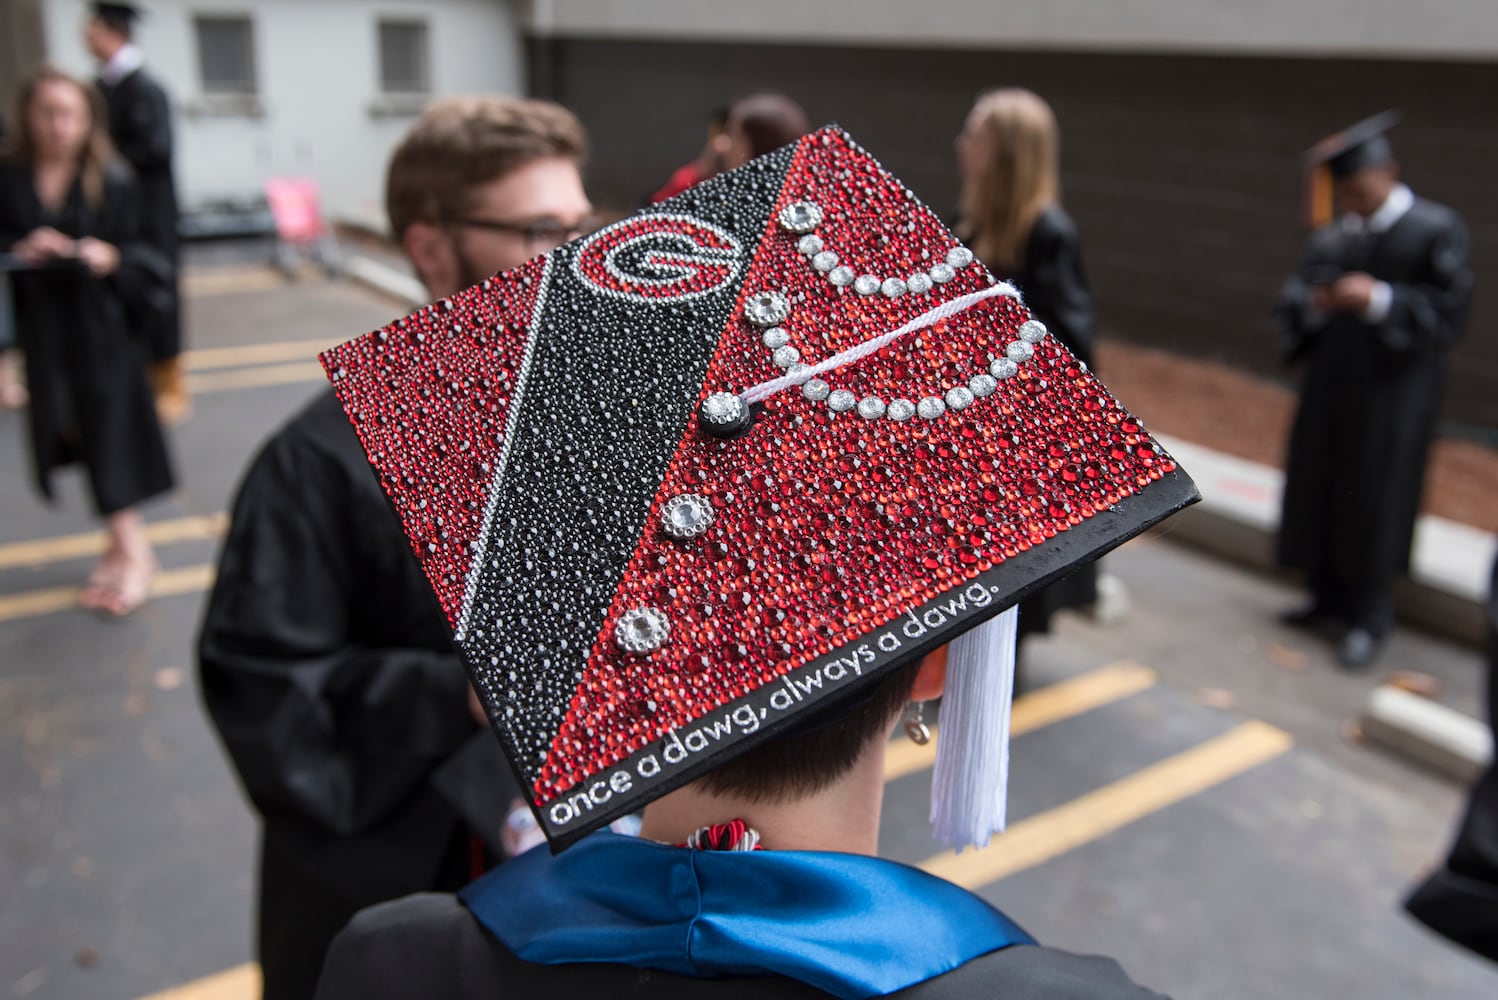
[{"x": 1181, "y": 170}]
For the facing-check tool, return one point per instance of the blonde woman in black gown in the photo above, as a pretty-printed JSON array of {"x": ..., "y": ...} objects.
[{"x": 68, "y": 215}]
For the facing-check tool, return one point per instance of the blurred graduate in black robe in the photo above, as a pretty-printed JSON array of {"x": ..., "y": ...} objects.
[
  {"x": 1378, "y": 300},
  {"x": 1460, "y": 899},
  {"x": 68, "y": 218},
  {"x": 140, "y": 124},
  {"x": 327, "y": 665},
  {"x": 1009, "y": 156}
]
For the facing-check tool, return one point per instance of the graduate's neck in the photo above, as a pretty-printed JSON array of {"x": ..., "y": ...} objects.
[{"x": 842, "y": 817}]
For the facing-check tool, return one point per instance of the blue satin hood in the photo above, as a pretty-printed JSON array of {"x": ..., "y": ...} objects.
[{"x": 851, "y": 925}]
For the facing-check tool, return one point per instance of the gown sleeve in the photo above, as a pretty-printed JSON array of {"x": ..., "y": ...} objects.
[
  {"x": 145, "y": 139},
  {"x": 1058, "y": 289},
  {"x": 323, "y": 729},
  {"x": 1299, "y": 322},
  {"x": 145, "y": 277},
  {"x": 1430, "y": 311}
]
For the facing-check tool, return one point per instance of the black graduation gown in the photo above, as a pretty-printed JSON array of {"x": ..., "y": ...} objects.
[
  {"x": 140, "y": 124},
  {"x": 90, "y": 399},
  {"x": 1460, "y": 900},
  {"x": 1369, "y": 404},
  {"x": 327, "y": 668},
  {"x": 431, "y": 947},
  {"x": 1056, "y": 290}
]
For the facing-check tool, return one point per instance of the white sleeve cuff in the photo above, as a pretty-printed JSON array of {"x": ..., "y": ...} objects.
[{"x": 1380, "y": 299}]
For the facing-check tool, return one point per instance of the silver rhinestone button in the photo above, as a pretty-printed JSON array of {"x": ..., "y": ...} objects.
[
  {"x": 785, "y": 356},
  {"x": 799, "y": 372},
  {"x": 767, "y": 308},
  {"x": 841, "y": 276},
  {"x": 686, "y": 516},
  {"x": 1019, "y": 351},
  {"x": 959, "y": 257},
  {"x": 931, "y": 407},
  {"x": 824, "y": 261},
  {"x": 641, "y": 630},
  {"x": 810, "y": 244},
  {"x": 942, "y": 273},
  {"x": 982, "y": 385},
  {"x": 892, "y": 288},
  {"x": 1033, "y": 332},
  {"x": 959, "y": 398},
  {"x": 722, "y": 408},
  {"x": 816, "y": 390},
  {"x": 901, "y": 409},
  {"x": 919, "y": 283},
  {"x": 775, "y": 337},
  {"x": 866, "y": 284},
  {"x": 871, "y": 407},
  {"x": 841, "y": 401},
  {"x": 801, "y": 216},
  {"x": 1003, "y": 368}
]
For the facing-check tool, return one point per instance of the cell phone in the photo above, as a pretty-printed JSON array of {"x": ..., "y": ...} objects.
[{"x": 1323, "y": 274}]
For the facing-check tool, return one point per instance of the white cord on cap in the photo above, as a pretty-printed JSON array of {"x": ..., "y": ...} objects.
[{"x": 763, "y": 391}]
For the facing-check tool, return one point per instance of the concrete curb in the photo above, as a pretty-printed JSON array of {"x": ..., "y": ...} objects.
[
  {"x": 1238, "y": 519},
  {"x": 1238, "y": 516},
  {"x": 1426, "y": 731},
  {"x": 385, "y": 279}
]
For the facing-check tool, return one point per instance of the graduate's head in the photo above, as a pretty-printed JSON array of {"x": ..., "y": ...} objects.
[
  {"x": 1352, "y": 171},
  {"x": 108, "y": 27},
  {"x": 759, "y": 124},
  {"x": 58, "y": 118},
  {"x": 1363, "y": 191},
  {"x": 482, "y": 184},
  {"x": 825, "y": 749},
  {"x": 1008, "y": 153}
]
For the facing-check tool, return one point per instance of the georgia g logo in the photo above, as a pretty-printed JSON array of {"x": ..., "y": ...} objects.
[{"x": 659, "y": 258}]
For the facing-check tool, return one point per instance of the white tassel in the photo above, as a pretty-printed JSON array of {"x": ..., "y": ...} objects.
[{"x": 970, "y": 782}]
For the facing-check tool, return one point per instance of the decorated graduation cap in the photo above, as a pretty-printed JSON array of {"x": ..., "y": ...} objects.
[
  {"x": 1350, "y": 151},
  {"x": 714, "y": 470}
]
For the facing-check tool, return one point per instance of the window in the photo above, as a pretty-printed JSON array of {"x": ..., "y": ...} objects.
[
  {"x": 226, "y": 54},
  {"x": 403, "y": 57}
]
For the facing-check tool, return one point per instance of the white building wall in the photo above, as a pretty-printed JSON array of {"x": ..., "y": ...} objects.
[
  {"x": 1457, "y": 29},
  {"x": 317, "y": 73}
]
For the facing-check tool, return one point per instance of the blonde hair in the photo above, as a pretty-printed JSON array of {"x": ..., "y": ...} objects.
[
  {"x": 96, "y": 153},
  {"x": 1021, "y": 178}
]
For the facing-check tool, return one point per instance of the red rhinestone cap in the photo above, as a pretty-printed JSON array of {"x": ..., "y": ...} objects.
[{"x": 644, "y": 573}]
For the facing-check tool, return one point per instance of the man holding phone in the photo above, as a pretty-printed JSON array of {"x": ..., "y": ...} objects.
[{"x": 1377, "y": 302}]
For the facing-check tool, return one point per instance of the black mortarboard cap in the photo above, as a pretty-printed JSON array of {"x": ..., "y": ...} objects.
[
  {"x": 1349, "y": 151},
  {"x": 118, "y": 13},
  {"x": 687, "y": 482}
]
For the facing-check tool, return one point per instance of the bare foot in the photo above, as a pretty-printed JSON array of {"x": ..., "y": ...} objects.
[
  {"x": 96, "y": 590},
  {"x": 132, "y": 588}
]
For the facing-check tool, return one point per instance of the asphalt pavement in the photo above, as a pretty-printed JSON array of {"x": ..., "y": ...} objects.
[{"x": 1185, "y": 792}]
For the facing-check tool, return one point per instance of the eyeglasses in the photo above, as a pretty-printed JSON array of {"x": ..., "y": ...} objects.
[{"x": 539, "y": 234}]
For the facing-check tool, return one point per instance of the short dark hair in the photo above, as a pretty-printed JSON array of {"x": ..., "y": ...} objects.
[
  {"x": 117, "y": 21},
  {"x": 808, "y": 760},
  {"x": 461, "y": 143},
  {"x": 768, "y": 121}
]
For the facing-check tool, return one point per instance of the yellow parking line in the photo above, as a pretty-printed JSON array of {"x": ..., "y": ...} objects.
[
  {"x": 92, "y": 543},
  {"x": 239, "y": 983},
  {"x": 1039, "y": 838},
  {"x": 1037, "y": 710},
  {"x": 45, "y": 602},
  {"x": 204, "y": 358},
  {"x": 244, "y": 378}
]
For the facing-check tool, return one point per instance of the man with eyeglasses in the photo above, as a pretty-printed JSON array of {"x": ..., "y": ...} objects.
[{"x": 326, "y": 664}]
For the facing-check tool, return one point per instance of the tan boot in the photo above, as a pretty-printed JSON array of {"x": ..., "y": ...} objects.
[{"x": 173, "y": 404}]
